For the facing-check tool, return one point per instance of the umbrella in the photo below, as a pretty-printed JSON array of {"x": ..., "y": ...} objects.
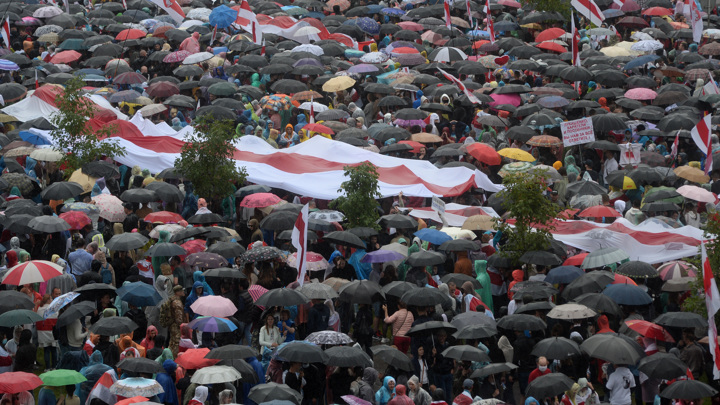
[
  {"x": 302, "y": 353},
  {"x": 281, "y": 297},
  {"x": 231, "y": 352},
  {"x": 361, "y": 292},
  {"x": 493, "y": 368},
  {"x": 556, "y": 348},
  {"x": 48, "y": 224},
  {"x": 392, "y": 356},
  {"x": 61, "y": 377},
  {"x": 604, "y": 257},
  {"x": 133, "y": 386},
  {"x": 111, "y": 207},
  {"x": 541, "y": 258},
  {"x": 484, "y": 153},
  {"x": 226, "y": 249},
  {"x": 113, "y": 326},
  {"x": 342, "y": 356},
  {"x": 466, "y": 353},
  {"x": 549, "y": 385},
  {"x": 521, "y": 322},
  {"x": 242, "y": 192},
  {"x": 224, "y": 272},
  {"x": 215, "y": 375},
  {"x": 649, "y": 330},
  {"x": 74, "y": 312},
  {"x": 563, "y": 274},
  {"x": 18, "y": 381},
  {"x": 194, "y": 359},
  {"x": 17, "y": 317},
  {"x": 381, "y": 256},
  {"x": 213, "y": 305},
  {"x": 664, "y": 366},
  {"x": 423, "y": 297},
  {"x": 627, "y": 294},
  {"x": 268, "y": 392},
  {"x": 598, "y": 302},
  {"x": 681, "y": 320},
  {"x": 259, "y": 200},
  {"x": 613, "y": 348},
  {"x": 58, "y": 303},
  {"x": 571, "y": 311},
  {"x": 676, "y": 269},
  {"x": 637, "y": 269},
  {"x": 206, "y": 260},
  {"x": 62, "y": 190},
  {"x": 34, "y": 271},
  {"x": 476, "y": 331},
  {"x": 126, "y": 242},
  {"x": 139, "y": 294},
  {"x": 317, "y": 291},
  {"x": 11, "y": 299},
  {"x": 345, "y": 238},
  {"x": 688, "y": 390},
  {"x": 140, "y": 365},
  {"x": 212, "y": 324},
  {"x": 261, "y": 253}
]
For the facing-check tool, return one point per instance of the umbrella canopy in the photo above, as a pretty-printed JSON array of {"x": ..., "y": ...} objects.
[
  {"x": 361, "y": 292},
  {"x": 302, "y": 352},
  {"x": 213, "y": 305},
  {"x": 62, "y": 377},
  {"x": 549, "y": 385},
  {"x": 613, "y": 348},
  {"x": 113, "y": 326},
  {"x": 341, "y": 356},
  {"x": 556, "y": 348},
  {"x": 282, "y": 297},
  {"x": 688, "y": 390},
  {"x": 662, "y": 366},
  {"x": 571, "y": 311},
  {"x": 627, "y": 294},
  {"x": 34, "y": 271},
  {"x": 215, "y": 375},
  {"x": 18, "y": 381}
]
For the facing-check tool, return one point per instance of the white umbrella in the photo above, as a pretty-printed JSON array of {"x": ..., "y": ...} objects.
[
  {"x": 449, "y": 54},
  {"x": 309, "y": 30},
  {"x": 313, "y": 49},
  {"x": 47, "y": 12},
  {"x": 374, "y": 57},
  {"x": 202, "y": 14},
  {"x": 48, "y": 29},
  {"x": 130, "y": 387},
  {"x": 190, "y": 23},
  {"x": 197, "y": 58},
  {"x": 647, "y": 45},
  {"x": 152, "y": 109},
  {"x": 316, "y": 107},
  {"x": 571, "y": 311},
  {"x": 600, "y": 31},
  {"x": 47, "y": 155},
  {"x": 215, "y": 375},
  {"x": 641, "y": 36}
]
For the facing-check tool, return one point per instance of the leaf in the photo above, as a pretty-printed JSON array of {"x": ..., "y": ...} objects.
[{"x": 361, "y": 190}]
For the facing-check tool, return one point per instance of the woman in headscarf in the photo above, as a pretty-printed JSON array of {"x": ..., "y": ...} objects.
[
  {"x": 201, "y": 395},
  {"x": 417, "y": 393},
  {"x": 386, "y": 392},
  {"x": 167, "y": 381}
]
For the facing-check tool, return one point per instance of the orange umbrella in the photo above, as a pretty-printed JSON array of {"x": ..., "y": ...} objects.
[
  {"x": 318, "y": 128},
  {"x": 478, "y": 44},
  {"x": 620, "y": 279},
  {"x": 415, "y": 145},
  {"x": 131, "y": 33},
  {"x": 658, "y": 11},
  {"x": 65, "y": 57},
  {"x": 550, "y": 34},
  {"x": 484, "y": 153},
  {"x": 194, "y": 359},
  {"x": 599, "y": 211},
  {"x": 575, "y": 260}
]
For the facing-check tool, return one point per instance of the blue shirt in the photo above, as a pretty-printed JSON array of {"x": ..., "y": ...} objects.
[
  {"x": 80, "y": 261},
  {"x": 290, "y": 324}
]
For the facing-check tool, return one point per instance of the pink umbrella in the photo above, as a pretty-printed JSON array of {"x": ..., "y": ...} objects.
[
  {"x": 353, "y": 400},
  {"x": 510, "y": 3},
  {"x": 513, "y": 99},
  {"x": 175, "y": 57},
  {"x": 214, "y": 305},
  {"x": 111, "y": 207},
  {"x": 259, "y": 200},
  {"x": 697, "y": 193},
  {"x": 256, "y": 291},
  {"x": 628, "y": 6},
  {"x": 411, "y": 26},
  {"x": 641, "y": 94}
]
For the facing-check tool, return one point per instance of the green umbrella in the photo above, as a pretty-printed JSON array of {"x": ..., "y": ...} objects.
[
  {"x": 515, "y": 167},
  {"x": 62, "y": 377},
  {"x": 17, "y": 317}
]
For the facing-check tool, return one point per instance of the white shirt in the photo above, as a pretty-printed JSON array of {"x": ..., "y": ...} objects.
[
  {"x": 610, "y": 166},
  {"x": 620, "y": 383}
]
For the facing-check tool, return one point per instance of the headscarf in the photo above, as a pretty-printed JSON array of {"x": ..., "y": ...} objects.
[
  {"x": 201, "y": 394},
  {"x": 572, "y": 170},
  {"x": 165, "y": 355},
  {"x": 132, "y": 350},
  {"x": 383, "y": 395}
]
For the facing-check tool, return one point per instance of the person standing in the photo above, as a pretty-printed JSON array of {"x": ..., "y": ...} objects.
[
  {"x": 465, "y": 397},
  {"x": 178, "y": 316},
  {"x": 620, "y": 383}
]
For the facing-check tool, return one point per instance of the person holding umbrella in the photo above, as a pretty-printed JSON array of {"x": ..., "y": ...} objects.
[{"x": 620, "y": 383}]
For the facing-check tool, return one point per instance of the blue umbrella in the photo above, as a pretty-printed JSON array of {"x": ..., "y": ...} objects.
[
  {"x": 34, "y": 139},
  {"x": 563, "y": 274},
  {"x": 353, "y": 53},
  {"x": 392, "y": 11},
  {"x": 88, "y": 71},
  {"x": 368, "y": 25},
  {"x": 374, "y": 8},
  {"x": 433, "y": 236},
  {"x": 139, "y": 294},
  {"x": 627, "y": 294},
  {"x": 612, "y": 13},
  {"x": 212, "y": 324},
  {"x": 315, "y": 14},
  {"x": 640, "y": 61},
  {"x": 478, "y": 34},
  {"x": 58, "y": 303},
  {"x": 222, "y": 17}
]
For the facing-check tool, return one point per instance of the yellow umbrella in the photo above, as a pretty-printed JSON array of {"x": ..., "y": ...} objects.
[
  {"x": 7, "y": 118},
  {"x": 692, "y": 174},
  {"x": 479, "y": 223},
  {"x": 628, "y": 183},
  {"x": 516, "y": 154},
  {"x": 83, "y": 179},
  {"x": 338, "y": 83}
]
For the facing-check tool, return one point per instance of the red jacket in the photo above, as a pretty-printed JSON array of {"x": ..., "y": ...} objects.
[{"x": 537, "y": 373}]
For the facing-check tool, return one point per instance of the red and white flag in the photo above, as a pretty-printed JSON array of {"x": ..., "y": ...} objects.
[
  {"x": 448, "y": 22},
  {"x": 172, "y": 8},
  {"x": 299, "y": 241},
  {"x": 675, "y": 145},
  {"x": 575, "y": 40},
  {"x": 620, "y": 3},
  {"x": 248, "y": 21},
  {"x": 6, "y": 32},
  {"x": 214, "y": 35},
  {"x": 712, "y": 301},
  {"x": 469, "y": 11},
  {"x": 262, "y": 49},
  {"x": 490, "y": 25},
  {"x": 710, "y": 88},
  {"x": 695, "y": 21},
  {"x": 312, "y": 111},
  {"x": 124, "y": 4},
  {"x": 37, "y": 84},
  {"x": 101, "y": 389},
  {"x": 701, "y": 135},
  {"x": 590, "y": 10},
  {"x": 460, "y": 85}
]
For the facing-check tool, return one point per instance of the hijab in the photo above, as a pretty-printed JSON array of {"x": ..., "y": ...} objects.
[{"x": 201, "y": 394}]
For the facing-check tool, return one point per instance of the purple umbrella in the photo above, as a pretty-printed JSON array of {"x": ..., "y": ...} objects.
[
  {"x": 212, "y": 324},
  {"x": 381, "y": 256},
  {"x": 363, "y": 68}
]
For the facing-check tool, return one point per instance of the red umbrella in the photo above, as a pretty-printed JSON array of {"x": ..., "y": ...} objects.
[
  {"x": 620, "y": 279},
  {"x": 551, "y": 46},
  {"x": 575, "y": 260},
  {"x": 34, "y": 271},
  {"x": 484, "y": 153},
  {"x": 568, "y": 214},
  {"x": 194, "y": 359},
  {"x": 405, "y": 50},
  {"x": 163, "y": 89},
  {"x": 478, "y": 44},
  {"x": 160, "y": 32},
  {"x": 599, "y": 211},
  {"x": 194, "y": 246},
  {"x": 550, "y": 34},
  {"x": 166, "y": 217},
  {"x": 657, "y": 11},
  {"x": 65, "y": 57},
  {"x": 131, "y": 33},
  {"x": 18, "y": 381},
  {"x": 318, "y": 128},
  {"x": 510, "y": 3},
  {"x": 77, "y": 219},
  {"x": 632, "y": 22},
  {"x": 649, "y": 330},
  {"x": 411, "y": 26},
  {"x": 259, "y": 200},
  {"x": 416, "y": 146}
]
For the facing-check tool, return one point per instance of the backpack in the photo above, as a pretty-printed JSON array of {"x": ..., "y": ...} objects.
[{"x": 166, "y": 314}]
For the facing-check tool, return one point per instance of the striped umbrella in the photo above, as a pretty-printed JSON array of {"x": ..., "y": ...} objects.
[
  {"x": 677, "y": 269},
  {"x": 8, "y": 65},
  {"x": 34, "y": 271}
]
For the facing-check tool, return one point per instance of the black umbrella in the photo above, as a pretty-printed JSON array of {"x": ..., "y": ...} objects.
[
  {"x": 281, "y": 297},
  {"x": 242, "y": 192},
  {"x": 472, "y": 318},
  {"x": 459, "y": 245},
  {"x": 187, "y": 233},
  {"x": 74, "y": 312},
  {"x": 556, "y": 348},
  {"x": 347, "y": 356},
  {"x": 363, "y": 232},
  {"x": 541, "y": 258},
  {"x": 217, "y": 112},
  {"x": 500, "y": 261},
  {"x": 612, "y": 347},
  {"x": 165, "y": 191},
  {"x": 227, "y": 249},
  {"x": 48, "y": 224},
  {"x": 205, "y": 219},
  {"x": 637, "y": 269},
  {"x": 165, "y": 249},
  {"x": 361, "y": 292},
  {"x": 521, "y": 322},
  {"x": 681, "y": 320},
  {"x": 466, "y": 353},
  {"x": 459, "y": 279},
  {"x": 608, "y": 122},
  {"x": 11, "y": 299},
  {"x": 398, "y": 221},
  {"x": 224, "y": 272},
  {"x": 426, "y": 258},
  {"x": 126, "y": 242},
  {"x": 289, "y": 86},
  {"x": 231, "y": 352},
  {"x": 115, "y": 325},
  {"x": 585, "y": 187},
  {"x": 246, "y": 371},
  {"x": 688, "y": 390},
  {"x": 279, "y": 221},
  {"x": 549, "y": 385},
  {"x": 345, "y": 238},
  {"x": 592, "y": 282},
  {"x": 430, "y": 327},
  {"x": 62, "y": 190},
  {"x": 302, "y": 352},
  {"x": 139, "y": 195},
  {"x": 664, "y": 366},
  {"x": 398, "y": 288},
  {"x": 17, "y": 317},
  {"x": 272, "y": 391},
  {"x": 424, "y": 297},
  {"x": 493, "y": 368},
  {"x": 600, "y": 303},
  {"x": 101, "y": 168},
  {"x": 477, "y": 331},
  {"x": 532, "y": 307},
  {"x": 392, "y": 356},
  {"x": 140, "y": 365}
]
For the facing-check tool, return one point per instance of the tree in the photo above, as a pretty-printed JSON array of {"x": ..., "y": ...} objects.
[
  {"x": 73, "y": 134},
  {"x": 360, "y": 192},
  {"x": 559, "y": 6},
  {"x": 532, "y": 211},
  {"x": 207, "y": 160}
]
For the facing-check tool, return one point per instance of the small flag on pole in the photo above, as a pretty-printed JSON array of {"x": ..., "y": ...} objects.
[{"x": 299, "y": 241}]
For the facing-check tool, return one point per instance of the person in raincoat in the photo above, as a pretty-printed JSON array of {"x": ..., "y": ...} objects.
[
  {"x": 191, "y": 44},
  {"x": 573, "y": 172},
  {"x": 167, "y": 381},
  {"x": 190, "y": 203},
  {"x": 482, "y": 276},
  {"x": 197, "y": 292},
  {"x": 92, "y": 372},
  {"x": 386, "y": 393},
  {"x": 157, "y": 261},
  {"x": 289, "y": 137}
]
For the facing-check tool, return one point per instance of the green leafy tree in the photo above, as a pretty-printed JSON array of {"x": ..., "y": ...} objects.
[
  {"x": 73, "y": 135},
  {"x": 559, "y": 6},
  {"x": 360, "y": 192},
  {"x": 696, "y": 302},
  {"x": 533, "y": 213},
  {"x": 207, "y": 160}
]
